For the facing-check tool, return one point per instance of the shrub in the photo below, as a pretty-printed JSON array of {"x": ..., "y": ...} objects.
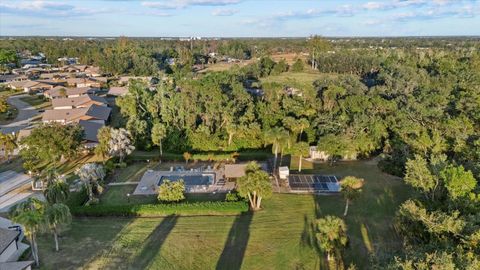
[
  {"x": 160, "y": 210},
  {"x": 232, "y": 196},
  {"x": 171, "y": 191},
  {"x": 77, "y": 198}
]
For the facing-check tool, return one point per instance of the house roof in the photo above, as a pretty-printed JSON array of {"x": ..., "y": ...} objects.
[
  {"x": 70, "y": 115},
  {"x": 118, "y": 91},
  {"x": 6, "y": 238},
  {"x": 235, "y": 170},
  {"x": 90, "y": 129},
  {"x": 77, "y": 101},
  {"x": 18, "y": 84},
  {"x": 55, "y": 92},
  {"x": 21, "y": 265}
]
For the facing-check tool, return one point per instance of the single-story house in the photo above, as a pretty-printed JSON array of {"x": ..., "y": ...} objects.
[
  {"x": 78, "y": 102},
  {"x": 12, "y": 78},
  {"x": 90, "y": 132},
  {"x": 30, "y": 86},
  {"x": 8, "y": 243},
  {"x": 93, "y": 71},
  {"x": 57, "y": 92},
  {"x": 118, "y": 91},
  {"x": 93, "y": 113},
  {"x": 124, "y": 80},
  {"x": 11, "y": 246}
]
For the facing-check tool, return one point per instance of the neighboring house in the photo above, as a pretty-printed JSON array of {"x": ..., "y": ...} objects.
[
  {"x": 30, "y": 86},
  {"x": 92, "y": 71},
  {"x": 94, "y": 113},
  {"x": 8, "y": 244},
  {"x": 118, "y": 91},
  {"x": 84, "y": 82},
  {"x": 55, "y": 75},
  {"x": 57, "y": 92},
  {"x": 124, "y": 80},
  {"x": 78, "y": 102},
  {"x": 12, "y": 247},
  {"x": 12, "y": 78},
  {"x": 90, "y": 131}
]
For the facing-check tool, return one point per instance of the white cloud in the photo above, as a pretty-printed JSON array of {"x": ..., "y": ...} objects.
[
  {"x": 46, "y": 8},
  {"x": 224, "y": 12},
  {"x": 179, "y": 4}
]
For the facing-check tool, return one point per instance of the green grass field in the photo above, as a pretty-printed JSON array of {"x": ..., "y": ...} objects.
[
  {"x": 36, "y": 101},
  {"x": 278, "y": 237},
  {"x": 306, "y": 77}
]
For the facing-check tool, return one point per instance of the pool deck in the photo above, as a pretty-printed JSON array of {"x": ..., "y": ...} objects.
[{"x": 148, "y": 183}]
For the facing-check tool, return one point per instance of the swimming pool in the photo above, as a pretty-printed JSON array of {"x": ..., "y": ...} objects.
[{"x": 189, "y": 179}]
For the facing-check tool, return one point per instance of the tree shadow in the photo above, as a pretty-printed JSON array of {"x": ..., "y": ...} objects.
[
  {"x": 236, "y": 243},
  {"x": 155, "y": 241}
]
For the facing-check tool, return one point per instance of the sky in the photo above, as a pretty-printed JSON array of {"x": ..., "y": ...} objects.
[{"x": 239, "y": 18}]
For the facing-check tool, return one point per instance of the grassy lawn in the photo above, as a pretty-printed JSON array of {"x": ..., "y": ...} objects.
[
  {"x": 132, "y": 173},
  {"x": 306, "y": 77},
  {"x": 8, "y": 116},
  {"x": 278, "y": 237},
  {"x": 36, "y": 101}
]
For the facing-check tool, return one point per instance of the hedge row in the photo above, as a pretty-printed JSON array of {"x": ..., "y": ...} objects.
[
  {"x": 159, "y": 210},
  {"x": 202, "y": 156}
]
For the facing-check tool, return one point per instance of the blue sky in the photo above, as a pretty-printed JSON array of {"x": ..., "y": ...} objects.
[{"x": 240, "y": 18}]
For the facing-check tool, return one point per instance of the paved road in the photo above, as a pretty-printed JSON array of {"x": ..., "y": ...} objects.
[{"x": 25, "y": 114}]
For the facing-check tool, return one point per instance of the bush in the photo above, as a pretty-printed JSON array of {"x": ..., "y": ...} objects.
[
  {"x": 76, "y": 199},
  {"x": 232, "y": 197},
  {"x": 171, "y": 191},
  {"x": 297, "y": 66},
  {"x": 160, "y": 210}
]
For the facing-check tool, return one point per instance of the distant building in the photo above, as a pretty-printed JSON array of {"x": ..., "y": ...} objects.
[
  {"x": 118, "y": 91},
  {"x": 57, "y": 92},
  {"x": 94, "y": 112},
  {"x": 78, "y": 102}
]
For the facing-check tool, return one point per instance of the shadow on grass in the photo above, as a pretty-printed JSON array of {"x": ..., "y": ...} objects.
[
  {"x": 155, "y": 241},
  {"x": 236, "y": 244}
]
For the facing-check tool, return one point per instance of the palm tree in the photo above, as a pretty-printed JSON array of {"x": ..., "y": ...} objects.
[
  {"x": 57, "y": 215},
  {"x": 301, "y": 150},
  {"x": 350, "y": 187},
  {"x": 255, "y": 185},
  {"x": 159, "y": 132},
  {"x": 302, "y": 124},
  {"x": 30, "y": 214},
  {"x": 56, "y": 191},
  {"x": 90, "y": 174},
  {"x": 187, "y": 156},
  {"x": 331, "y": 234},
  {"x": 231, "y": 130},
  {"x": 275, "y": 136}
]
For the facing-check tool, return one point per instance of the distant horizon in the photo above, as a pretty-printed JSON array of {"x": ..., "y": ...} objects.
[
  {"x": 239, "y": 37},
  {"x": 240, "y": 18}
]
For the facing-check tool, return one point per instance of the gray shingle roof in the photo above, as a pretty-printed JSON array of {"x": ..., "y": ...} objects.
[
  {"x": 90, "y": 130},
  {"x": 7, "y": 237}
]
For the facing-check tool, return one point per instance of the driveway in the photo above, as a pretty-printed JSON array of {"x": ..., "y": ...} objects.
[{"x": 25, "y": 115}]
